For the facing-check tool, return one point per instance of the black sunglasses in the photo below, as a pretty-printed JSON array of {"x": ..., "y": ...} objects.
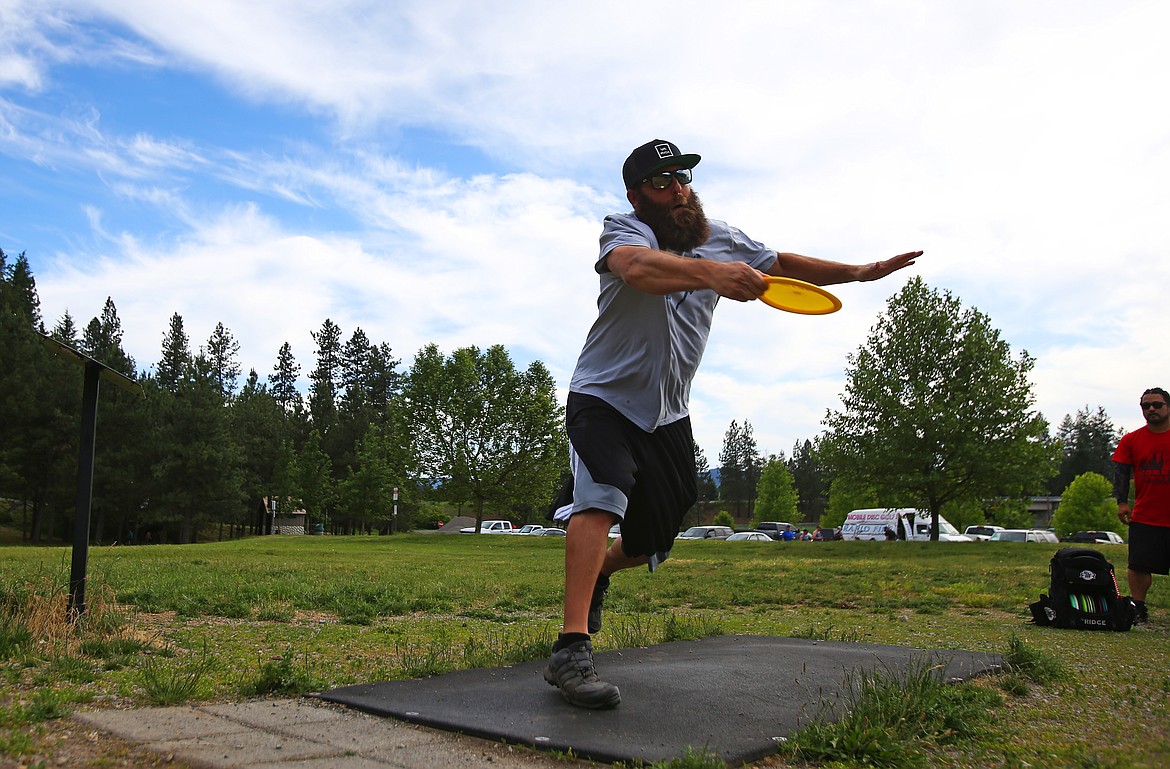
[
  {"x": 1153, "y": 405},
  {"x": 661, "y": 181}
]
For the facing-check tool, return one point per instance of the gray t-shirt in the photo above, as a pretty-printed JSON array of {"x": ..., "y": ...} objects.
[{"x": 643, "y": 350}]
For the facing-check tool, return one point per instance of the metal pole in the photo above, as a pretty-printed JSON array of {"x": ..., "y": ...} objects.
[{"x": 89, "y": 401}]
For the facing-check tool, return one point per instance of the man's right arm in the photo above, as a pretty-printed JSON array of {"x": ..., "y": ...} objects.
[
  {"x": 1121, "y": 476},
  {"x": 661, "y": 273}
]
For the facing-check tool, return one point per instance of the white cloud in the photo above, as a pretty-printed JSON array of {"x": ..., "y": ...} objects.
[{"x": 1022, "y": 145}]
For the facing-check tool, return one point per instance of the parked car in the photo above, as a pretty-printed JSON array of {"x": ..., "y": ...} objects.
[
  {"x": 706, "y": 532},
  {"x": 1097, "y": 538},
  {"x": 490, "y": 527},
  {"x": 774, "y": 529},
  {"x": 529, "y": 529},
  {"x": 551, "y": 531},
  {"x": 1024, "y": 535},
  {"x": 749, "y": 536},
  {"x": 615, "y": 531},
  {"x": 982, "y": 532}
]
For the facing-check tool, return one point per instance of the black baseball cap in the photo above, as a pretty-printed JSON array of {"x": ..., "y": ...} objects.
[{"x": 654, "y": 156}]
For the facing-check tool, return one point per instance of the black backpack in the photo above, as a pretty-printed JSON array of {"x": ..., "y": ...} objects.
[{"x": 1083, "y": 594}]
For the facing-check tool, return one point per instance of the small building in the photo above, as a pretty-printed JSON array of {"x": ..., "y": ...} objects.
[
  {"x": 282, "y": 521},
  {"x": 290, "y": 523}
]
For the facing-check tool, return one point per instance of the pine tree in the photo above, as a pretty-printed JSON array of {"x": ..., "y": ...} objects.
[
  {"x": 739, "y": 467},
  {"x": 323, "y": 379},
  {"x": 223, "y": 356},
  {"x": 283, "y": 381},
  {"x": 175, "y": 365},
  {"x": 1086, "y": 445}
]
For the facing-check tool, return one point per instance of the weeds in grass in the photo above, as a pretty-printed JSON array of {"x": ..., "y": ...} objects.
[
  {"x": 35, "y": 611},
  {"x": 172, "y": 683},
  {"x": 496, "y": 648},
  {"x": 677, "y": 627},
  {"x": 15, "y": 637},
  {"x": 1032, "y": 664},
  {"x": 894, "y": 718},
  {"x": 692, "y": 759},
  {"x": 828, "y": 633},
  {"x": 16, "y": 744},
  {"x": 276, "y": 611},
  {"x": 284, "y": 677},
  {"x": 44, "y": 705},
  {"x": 66, "y": 667},
  {"x": 640, "y": 630}
]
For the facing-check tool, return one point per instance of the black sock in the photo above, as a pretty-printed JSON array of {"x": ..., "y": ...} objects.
[{"x": 568, "y": 639}]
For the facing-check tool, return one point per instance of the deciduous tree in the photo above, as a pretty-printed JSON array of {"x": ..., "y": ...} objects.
[
  {"x": 775, "y": 493},
  {"x": 489, "y": 434},
  {"x": 1086, "y": 505},
  {"x": 937, "y": 410}
]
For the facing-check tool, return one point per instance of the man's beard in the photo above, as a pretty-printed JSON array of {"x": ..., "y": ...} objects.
[{"x": 678, "y": 228}]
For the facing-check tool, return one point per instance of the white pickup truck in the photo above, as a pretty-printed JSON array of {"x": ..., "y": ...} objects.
[{"x": 491, "y": 527}]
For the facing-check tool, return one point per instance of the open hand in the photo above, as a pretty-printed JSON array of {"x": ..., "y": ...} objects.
[{"x": 879, "y": 270}]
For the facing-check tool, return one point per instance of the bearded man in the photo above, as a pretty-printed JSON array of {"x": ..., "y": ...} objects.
[{"x": 663, "y": 268}]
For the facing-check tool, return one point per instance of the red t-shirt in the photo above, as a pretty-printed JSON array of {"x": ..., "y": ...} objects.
[{"x": 1147, "y": 452}]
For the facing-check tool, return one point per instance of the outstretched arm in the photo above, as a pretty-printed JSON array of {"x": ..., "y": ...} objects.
[
  {"x": 661, "y": 272},
  {"x": 823, "y": 272}
]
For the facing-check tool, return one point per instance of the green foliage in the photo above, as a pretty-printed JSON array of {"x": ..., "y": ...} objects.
[
  {"x": 169, "y": 683},
  {"x": 776, "y": 495},
  {"x": 936, "y": 409},
  {"x": 283, "y": 676},
  {"x": 200, "y": 455},
  {"x": 442, "y": 602},
  {"x": 692, "y": 758},
  {"x": 1086, "y": 505},
  {"x": 723, "y": 518},
  {"x": 895, "y": 718},
  {"x": 45, "y": 704},
  {"x": 1008, "y": 513},
  {"x": 739, "y": 467},
  {"x": 810, "y": 477},
  {"x": 15, "y": 637},
  {"x": 1036, "y": 665},
  {"x": 846, "y": 494},
  {"x": 493, "y": 435},
  {"x": 708, "y": 491},
  {"x": 1086, "y": 445}
]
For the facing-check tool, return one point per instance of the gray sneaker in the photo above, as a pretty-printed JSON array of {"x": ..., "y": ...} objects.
[
  {"x": 599, "y": 591},
  {"x": 571, "y": 670}
]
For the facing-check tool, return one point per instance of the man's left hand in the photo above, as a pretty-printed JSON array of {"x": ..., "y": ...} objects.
[{"x": 879, "y": 270}]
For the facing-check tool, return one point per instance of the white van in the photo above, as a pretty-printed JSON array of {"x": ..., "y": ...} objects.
[{"x": 909, "y": 523}]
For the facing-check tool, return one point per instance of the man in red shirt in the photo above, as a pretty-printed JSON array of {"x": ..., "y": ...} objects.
[{"x": 1144, "y": 454}]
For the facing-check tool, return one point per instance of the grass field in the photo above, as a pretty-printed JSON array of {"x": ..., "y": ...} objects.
[{"x": 285, "y": 615}]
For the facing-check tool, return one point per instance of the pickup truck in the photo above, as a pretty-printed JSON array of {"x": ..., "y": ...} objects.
[{"x": 491, "y": 527}]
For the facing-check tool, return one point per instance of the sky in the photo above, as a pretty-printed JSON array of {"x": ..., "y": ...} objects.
[{"x": 437, "y": 172}]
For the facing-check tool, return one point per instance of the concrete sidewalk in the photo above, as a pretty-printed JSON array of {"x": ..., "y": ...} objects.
[{"x": 306, "y": 734}]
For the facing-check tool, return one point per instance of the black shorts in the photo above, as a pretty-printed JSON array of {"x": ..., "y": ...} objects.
[
  {"x": 1149, "y": 548},
  {"x": 648, "y": 480}
]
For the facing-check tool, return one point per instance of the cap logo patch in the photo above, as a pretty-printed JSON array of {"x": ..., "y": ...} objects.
[{"x": 663, "y": 151}]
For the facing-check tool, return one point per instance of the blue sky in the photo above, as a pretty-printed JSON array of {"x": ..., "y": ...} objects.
[{"x": 437, "y": 172}]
